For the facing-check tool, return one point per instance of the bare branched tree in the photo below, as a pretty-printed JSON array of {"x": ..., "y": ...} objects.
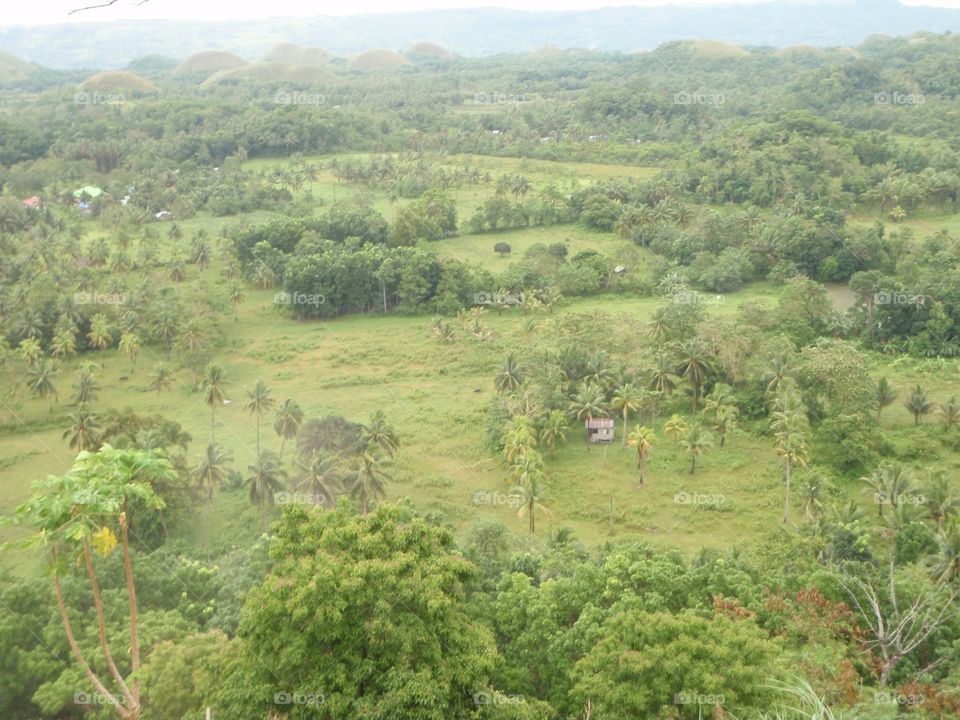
[
  {"x": 106, "y": 3},
  {"x": 897, "y": 631}
]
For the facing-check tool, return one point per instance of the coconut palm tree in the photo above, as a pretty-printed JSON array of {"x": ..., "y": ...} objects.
[
  {"x": 946, "y": 559},
  {"x": 319, "y": 479},
  {"x": 201, "y": 255},
  {"x": 64, "y": 345},
  {"x": 694, "y": 367},
  {"x": 379, "y": 433},
  {"x": 720, "y": 407},
  {"x": 886, "y": 395},
  {"x": 675, "y": 426},
  {"x": 662, "y": 378},
  {"x": 166, "y": 325},
  {"x": 812, "y": 495},
  {"x": 236, "y": 298},
  {"x": 918, "y": 404},
  {"x": 530, "y": 494},
  {"x": 941, "y": 504},
  {"x": 511, "y": 375},
  {"x": 84, "y": 431},
  {"x": 368, "y": 481},
  {"x": 588, "y": 403},
  {"x": 781, "y": 367},
  {"x": 287, "y": 422},
  {"x": 40, "y": 380},
  {"x": 696, "y": 442},
  {"x": 30, "y": 351},
  {"x": 791, "y": 428},
  {"x": 643, "y": 439},
  {"x": 600, "y": 371},
  {"x": 214, "y": 395},
  {"x": 519, "y": 438},
  {"x": 258, "y": 402},
  {"x": 265, "y": 479},
  {"x": 627, "y": 399},
  {"x": 888, "y": 482},
  {"x": 211, "y": 471},
  {"x": 86, "y": 388},
  {"x": 950, "y": 411},
  {"x": 178, "y": 270},
  {"x": 101, "y": 334},
  {"x": 161, "y": 380},
  {"x": 555, "y": 429},
  {"x": 263, "y": 277},
  {"x": 130, "y": 346},
  {"x": 527, "y": 466},
  {"x": 659, "y": 327}
]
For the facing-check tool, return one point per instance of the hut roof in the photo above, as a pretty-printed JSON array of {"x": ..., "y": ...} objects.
[{"x": 592, "y": 423}]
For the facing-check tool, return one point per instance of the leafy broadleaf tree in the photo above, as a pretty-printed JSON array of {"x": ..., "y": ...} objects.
[
  {"x": 645, "y": 665},
  {"x": 370, "y": 611}
]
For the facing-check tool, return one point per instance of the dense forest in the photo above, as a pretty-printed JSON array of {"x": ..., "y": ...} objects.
[{"x": 568, "y": 385}]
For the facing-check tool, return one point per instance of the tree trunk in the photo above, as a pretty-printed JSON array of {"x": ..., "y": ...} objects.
[
  {"x": 624, "y": 438},
  {"x": 102, "y": 624},
  {"x": 693, "y": 462},
  {"x": 786, "y": 504},
  {"x": 77, "y": 653},
  {"x": 283, "y": 443},
  {"x": 134, "y": 615},
  {"x": 213, "y": 423}
]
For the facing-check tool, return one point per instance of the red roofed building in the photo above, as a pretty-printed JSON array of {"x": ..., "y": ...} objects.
[{"x": 33, "y": 202}]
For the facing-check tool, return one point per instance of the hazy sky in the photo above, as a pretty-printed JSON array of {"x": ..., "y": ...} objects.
[{"x": 32, "y": 12}]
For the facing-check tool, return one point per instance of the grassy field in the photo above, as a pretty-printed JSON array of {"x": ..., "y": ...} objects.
[
  {"x": 327, "y": 189},
  {"x": 435, "y": 395}
]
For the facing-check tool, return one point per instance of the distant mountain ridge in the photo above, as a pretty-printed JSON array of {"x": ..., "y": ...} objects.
[{"x": 481, "y": 31}]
